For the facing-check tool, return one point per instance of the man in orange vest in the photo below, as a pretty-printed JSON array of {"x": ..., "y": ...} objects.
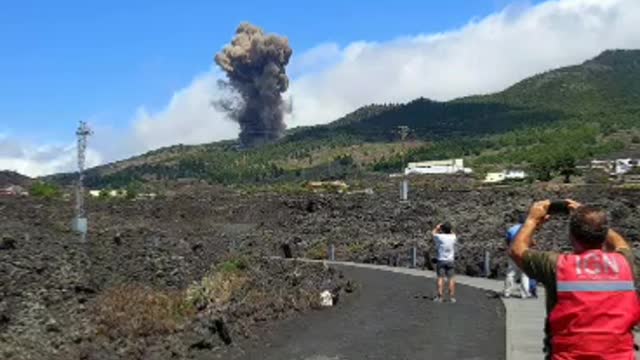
[{"x": 592, "y": 304}]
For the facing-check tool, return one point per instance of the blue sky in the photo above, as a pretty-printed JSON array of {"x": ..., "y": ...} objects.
[{"x": 65, "y": 61}]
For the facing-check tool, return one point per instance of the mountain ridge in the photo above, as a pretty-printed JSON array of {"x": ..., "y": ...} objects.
[{"x": 603, "y": 91}]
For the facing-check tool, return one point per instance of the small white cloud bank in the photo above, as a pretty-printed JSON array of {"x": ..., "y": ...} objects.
[
  {"x": 36, "y": 160},
  {"x": 328, "y": 81}
]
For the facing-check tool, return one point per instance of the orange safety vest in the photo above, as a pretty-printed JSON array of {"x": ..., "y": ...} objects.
[{"x": 597, "y": 308}]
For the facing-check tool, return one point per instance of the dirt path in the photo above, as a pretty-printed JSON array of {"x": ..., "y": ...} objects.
[{"x": 390, "y": 316}]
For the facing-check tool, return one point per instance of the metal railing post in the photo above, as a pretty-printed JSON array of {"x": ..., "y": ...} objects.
[
  {"x": 414, "y": 257},
  {"x": 487, "y": 263}
]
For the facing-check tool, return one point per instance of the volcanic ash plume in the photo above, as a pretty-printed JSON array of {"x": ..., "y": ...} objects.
[{"x": 255, "y": 66}]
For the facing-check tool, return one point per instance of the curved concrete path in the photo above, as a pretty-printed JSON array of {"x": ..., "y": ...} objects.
[
  {"x": 389, "y": 316},
  {"x": 524, "y": 318},
  {"x": 396, "y": 319}
]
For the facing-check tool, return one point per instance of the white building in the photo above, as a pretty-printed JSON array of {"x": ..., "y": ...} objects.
[
  {"x": 496, "y": 177},
  {"x": 109, "y": 193},
  {"x": 452, "y": 166},
  {"x": 623, "y": 166},
  {"x": 515, "y": 175},
  {"x": 14, "y": 190},
  {"x": 615, "y": 167}
]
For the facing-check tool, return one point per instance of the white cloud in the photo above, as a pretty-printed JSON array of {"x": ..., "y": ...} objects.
[
  {"x": 482, "y": 57},
  {"x": 36, "y": 160},
  {"x": 486, "y": 55},
  {"x": 315, "y": 59}
]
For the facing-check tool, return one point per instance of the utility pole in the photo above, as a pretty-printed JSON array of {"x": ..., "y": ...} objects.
[
  {"x": 403, "y": 131},
  {"x": 80, "y": 220}
]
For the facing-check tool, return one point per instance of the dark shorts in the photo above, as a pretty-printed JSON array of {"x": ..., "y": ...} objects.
[{"x": 445, "y": 269}]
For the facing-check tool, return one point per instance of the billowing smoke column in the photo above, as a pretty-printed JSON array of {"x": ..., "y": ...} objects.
[{"x": 255, "y": 66}]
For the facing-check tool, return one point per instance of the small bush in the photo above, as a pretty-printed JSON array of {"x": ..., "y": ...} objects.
[
  {"x": 132, "y": 311},
  {"x": 216, "y": 289},
  {"x": 44, "y": 190},
  {"x": 318, "y": 251},
  {"x": 233, "y": 265},
  {"x": 104, "y": 193},
  {"x": 132, "y": 190},
  {"x": 355, "y": 248}
]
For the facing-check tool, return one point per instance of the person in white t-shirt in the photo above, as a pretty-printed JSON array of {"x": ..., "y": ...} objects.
[{"x": 445, "y": 241}]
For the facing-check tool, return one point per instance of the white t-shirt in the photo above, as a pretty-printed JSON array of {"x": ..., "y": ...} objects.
[{"x": 445, "y": 244}]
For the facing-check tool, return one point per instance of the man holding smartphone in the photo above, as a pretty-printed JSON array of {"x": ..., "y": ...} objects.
[
  {"x": 592, "y": 304},
  {"x": 445, "y": 240}
]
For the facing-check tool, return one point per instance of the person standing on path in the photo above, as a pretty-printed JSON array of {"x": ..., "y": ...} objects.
[
  {"x": 592, "y": 304},
  {"x": 513, "y": 270},
  {"x": 445, "y": 241}
]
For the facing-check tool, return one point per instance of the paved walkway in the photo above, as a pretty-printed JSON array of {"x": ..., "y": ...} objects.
[
  {"x": 525, "y": 318},
  {"x": 389, "y": 316}
]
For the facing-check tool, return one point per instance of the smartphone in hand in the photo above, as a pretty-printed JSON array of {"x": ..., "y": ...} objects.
[{"x": 559, "y": 207}]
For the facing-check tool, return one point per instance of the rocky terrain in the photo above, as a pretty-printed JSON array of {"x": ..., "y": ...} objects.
[
  {"x": 184, "y": 274},
  {"x": 155, "y": 280},
  {"x": 381, "y": 229}
]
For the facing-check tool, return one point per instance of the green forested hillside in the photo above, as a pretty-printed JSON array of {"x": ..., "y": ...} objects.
[{"x": 546, "y": 123}]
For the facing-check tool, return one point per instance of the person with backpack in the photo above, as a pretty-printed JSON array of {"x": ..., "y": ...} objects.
[{"x": 513, "y": 270}]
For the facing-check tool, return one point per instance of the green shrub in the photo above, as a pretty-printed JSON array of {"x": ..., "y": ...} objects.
[
  {"x": 355, "y": 248},
  {"x": 44, "y": 190},
  {"x": 233, "y": 265},
  {"x": 133, "y": 189},
  {"x": 216, "y": 289},
  {"x": 104, "y": 193},
  {"x": 318, "y": 251}
]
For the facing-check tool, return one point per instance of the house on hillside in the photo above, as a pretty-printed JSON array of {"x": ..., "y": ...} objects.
[
  {"x": 615, "y": 167},
  {"x": 120, "y": 193},
  {"x": 496, "y": 177},
  {"x": 451, "y": 166},
  {"x": 13, "y": 190},
  {"x": 108, "y": 193},
  {"x": 623, "y": 166}
]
